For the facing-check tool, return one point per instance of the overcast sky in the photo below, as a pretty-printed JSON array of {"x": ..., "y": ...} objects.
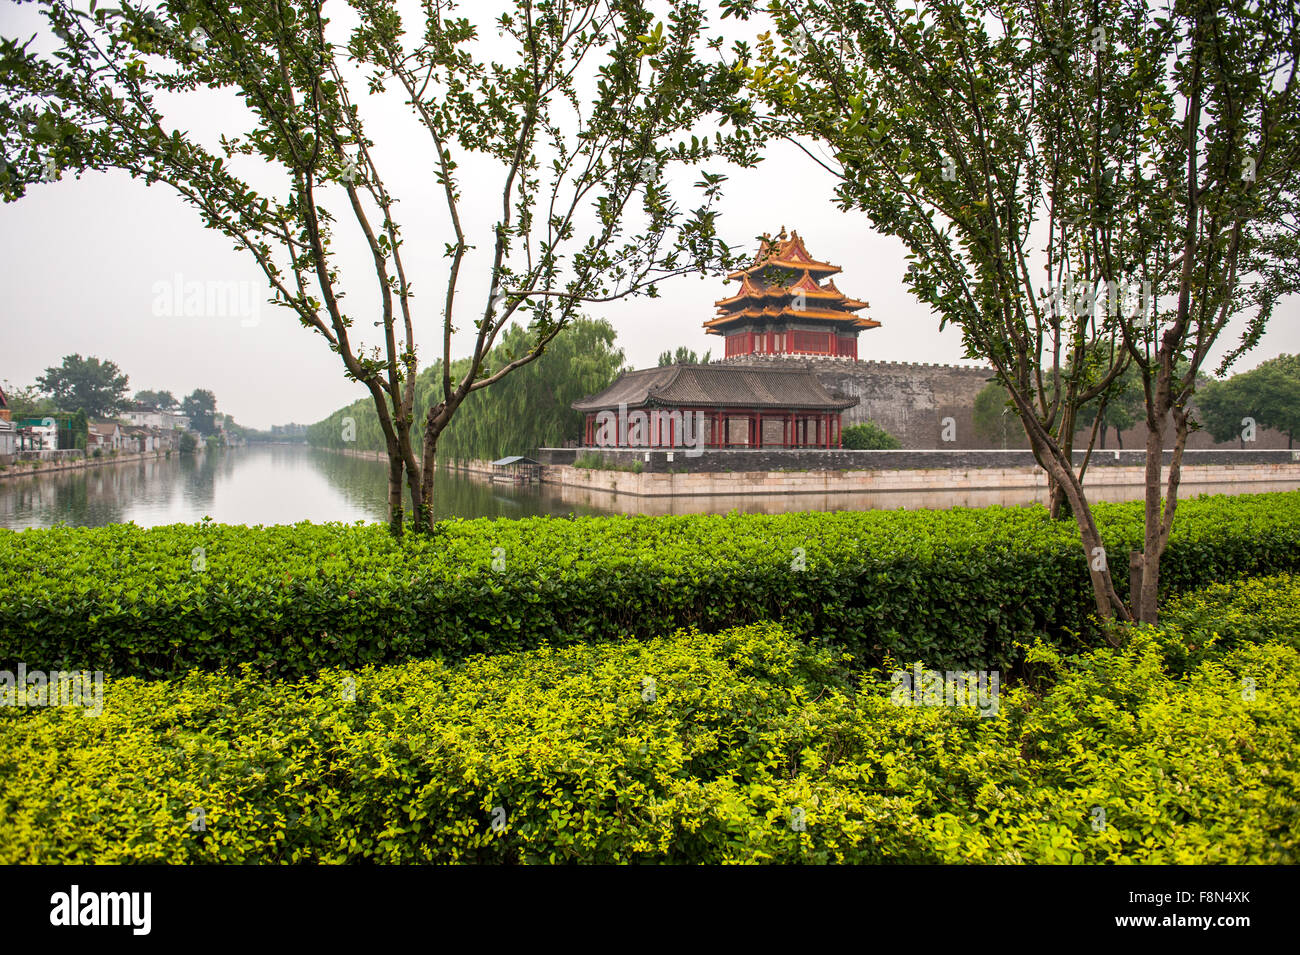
[{"x": 85, "y": 260}]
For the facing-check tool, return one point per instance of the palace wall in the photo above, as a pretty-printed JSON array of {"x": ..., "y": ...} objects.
[{"x": 910, "y": 400}]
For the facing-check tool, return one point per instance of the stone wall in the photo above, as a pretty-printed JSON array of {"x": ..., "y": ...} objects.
[
  {"x": 779, "y": 460},
  {"x": 839, "y": 488},
  {"x": 910, "y": 400}
]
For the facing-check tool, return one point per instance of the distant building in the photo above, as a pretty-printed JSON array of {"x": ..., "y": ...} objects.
[
  {"x": 37, "y": 434},
  {"x": 8, "y": 434},
  {"x": 143, "y": 416},
  {"x": 105, "y": 436},
  {"x": 782, "y": 311},
  {"x": 148, "y": 439},
  {"x": 783, "y": 307}
]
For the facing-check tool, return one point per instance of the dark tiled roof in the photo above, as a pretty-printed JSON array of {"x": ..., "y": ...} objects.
[{"x": 713, "y": 386}]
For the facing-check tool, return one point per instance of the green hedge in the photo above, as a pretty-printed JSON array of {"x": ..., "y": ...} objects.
[
  {"x": 748, "y": 746},
  {"x": 957, "y": 587}
]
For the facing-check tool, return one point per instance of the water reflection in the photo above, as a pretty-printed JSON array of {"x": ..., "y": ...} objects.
[
  {"x": 270, "y": 484},
  {"x": 282, "y": 484}
]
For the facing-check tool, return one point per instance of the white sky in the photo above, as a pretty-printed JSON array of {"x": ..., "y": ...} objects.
[{"x": 82, "y": 259}]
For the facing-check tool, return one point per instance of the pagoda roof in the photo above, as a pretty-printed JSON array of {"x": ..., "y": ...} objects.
[
  {"x": 767, "y": 294},
  {"x": 772, "y": 313},
  {"x": 716, "y": 386},
  {"x": 785, "y": 253}
]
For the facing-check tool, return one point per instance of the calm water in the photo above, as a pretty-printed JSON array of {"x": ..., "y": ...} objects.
[
  {"x": 283, "y": 484},
  {"x": 269, "y": 484}
]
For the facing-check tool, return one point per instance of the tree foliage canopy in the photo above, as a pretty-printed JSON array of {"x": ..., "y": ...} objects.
[
  {"x": 869, "y": 436},
  {"x": 683, "y": 356},
  {"x": 1143, "y": 161},
  {"x": 584, "y": 110},
  {"x": 200, "y": 406},
  {"x": 97, "y": 388},
  {"x": 530, "y": 409},
  {"x": 162, "y": 400},
  {"x": 1267, "y": 396}
]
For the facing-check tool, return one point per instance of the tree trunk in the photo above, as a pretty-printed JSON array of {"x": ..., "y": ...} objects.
[
  {"x": 419, "y": 512},
  {"x": 395, "y": 469},
  {"x": 1144, "y": 606},
  {"x": 1075, "y": 502},
  {"x": 1058, "y": 509},
  {"x": 1158, "y": 530},
  {"x": 1067, "y": 492},
  {"x": 434, "y": 423}
]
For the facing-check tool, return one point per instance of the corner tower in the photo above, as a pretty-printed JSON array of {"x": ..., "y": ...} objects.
[{"x": 783, "y": 307}]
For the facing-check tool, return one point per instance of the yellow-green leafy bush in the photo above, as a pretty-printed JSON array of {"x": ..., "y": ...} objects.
[{"x": 747, "y": 746}]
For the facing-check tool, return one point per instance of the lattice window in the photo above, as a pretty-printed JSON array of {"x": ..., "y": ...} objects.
[{"x": 818, "y": 343}]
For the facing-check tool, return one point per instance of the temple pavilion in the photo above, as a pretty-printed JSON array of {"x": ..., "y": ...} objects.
[
  {"x": 783, "y": 307},
  {"x": 786, "y": 307}
]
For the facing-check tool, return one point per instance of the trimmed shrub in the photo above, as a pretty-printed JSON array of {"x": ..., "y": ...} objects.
[
  {"x": 959, "y": 588},
  {"x": 869, "y": 436},
  {"x": 748, "y": 746}
]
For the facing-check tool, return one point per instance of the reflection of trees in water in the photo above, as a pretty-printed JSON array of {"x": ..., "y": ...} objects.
[
  {"x": 364, "y": 483},
  {"x": 200, "y": 475},
  {"x": 90, "y": 496},
  {"x": 184, "y": 488},
  {"x": 342, "y": 487}
]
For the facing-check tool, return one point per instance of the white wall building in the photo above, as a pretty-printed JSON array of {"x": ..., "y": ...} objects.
[{"x": 154, "y": 418}]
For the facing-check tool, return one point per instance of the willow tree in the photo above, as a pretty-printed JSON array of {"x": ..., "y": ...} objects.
[
  {"x": 581, "y": 113},
  {"x": 1079, "y": 186},
  {"x": 529, "y": 409}
]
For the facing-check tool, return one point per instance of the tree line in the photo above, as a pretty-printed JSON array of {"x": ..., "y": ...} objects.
[
  {"x": 1230, "y": 409},
  {"x": 94, "y": 389},
  {"x": 527, "y": 410}
]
